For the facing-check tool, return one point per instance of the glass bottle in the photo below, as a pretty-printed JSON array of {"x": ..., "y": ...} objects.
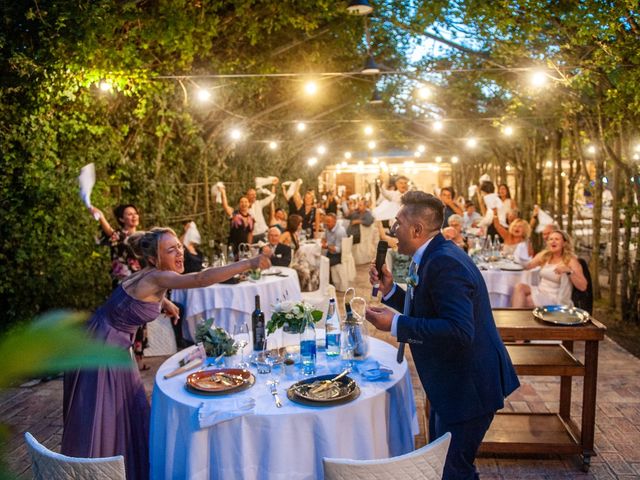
[
  {"x": 257, "y": 326},
  {"x": 308, "y": 348},
  {"x": 332, "y": 329},
  {"x": 230, "y": 255}
]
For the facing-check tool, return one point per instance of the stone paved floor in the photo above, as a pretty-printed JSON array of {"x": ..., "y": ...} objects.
[{"x": 38, "y": 409}]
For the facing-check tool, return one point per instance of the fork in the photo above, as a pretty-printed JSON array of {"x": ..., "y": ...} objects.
[{"x": 273, "y": 387}]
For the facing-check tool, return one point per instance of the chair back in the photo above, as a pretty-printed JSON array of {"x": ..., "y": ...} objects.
[
  {"x": 584, "y": 300},
  {"x": 324, "y": 270},
  {"x": 346, "y": 249},
  {"x": 426, "y": 463},
  {"x": 48, "y": 465}
]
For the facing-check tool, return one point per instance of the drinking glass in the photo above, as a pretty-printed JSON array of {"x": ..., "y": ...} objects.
[{"x": 241, "y": 339}]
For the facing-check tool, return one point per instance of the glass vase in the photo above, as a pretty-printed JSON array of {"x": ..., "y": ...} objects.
[{"x": 308, "y": 348}]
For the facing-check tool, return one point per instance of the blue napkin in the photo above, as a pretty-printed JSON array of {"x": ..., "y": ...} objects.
[{"x": 371, "y": 370}]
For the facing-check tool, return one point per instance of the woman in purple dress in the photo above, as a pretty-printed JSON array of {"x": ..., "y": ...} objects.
[{"x": 106, "y": 411}]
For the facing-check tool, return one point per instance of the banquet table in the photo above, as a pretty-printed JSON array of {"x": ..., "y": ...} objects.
[
  {"x": 280, "y": 443},
  {"x": 500, "y": 284},
  {"x": 230, "y": 303}
]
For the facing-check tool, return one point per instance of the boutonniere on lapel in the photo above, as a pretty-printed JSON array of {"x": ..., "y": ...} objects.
[{"x": 412, "y": 280}]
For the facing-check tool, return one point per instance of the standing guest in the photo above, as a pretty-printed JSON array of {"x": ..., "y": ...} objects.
[
  {"x": 290, "y": 236},
  {"x": 332, "y": 242},
  {"x": 470, "y": 217},
  {"x": 447, "y": 194},
  {"x": 278, "y": 253},
  {"x": 560, "y": 272},
  {"x": 509, "y": 205},
  {"x": 305, "y": 207},
  {"x": 390, "y": 199},
  {"x": 241, "y": 223},
  {"x": 361, "y": 215},
  {"x": 190, "y": 239},
  {"x": 256, "y": 209},
  {"x": 106, "y": 412},
  {"x": 488, "y": 202},
  {"x": 278, "y": 218},
  {"x": 331, "y": 203},
  {"x": 124, "y": 263},
  {"x": 461, "y": 360}
]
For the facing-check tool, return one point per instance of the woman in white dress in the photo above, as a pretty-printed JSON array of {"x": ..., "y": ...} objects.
[{"x": 560, "y": 272}]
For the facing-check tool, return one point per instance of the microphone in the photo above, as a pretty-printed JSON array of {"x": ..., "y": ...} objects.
[{"x": 381, "y": 256}]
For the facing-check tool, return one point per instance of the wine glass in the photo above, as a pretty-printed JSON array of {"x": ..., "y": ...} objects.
[{"x": 241, "y": 339}]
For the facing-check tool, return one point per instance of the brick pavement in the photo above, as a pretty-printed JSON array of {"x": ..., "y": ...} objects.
[{"x": 38, "y": 409}]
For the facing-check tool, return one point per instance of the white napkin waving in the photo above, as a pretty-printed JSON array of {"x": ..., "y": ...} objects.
[
  {"x": 544, "y": 219},
  {"x": 86, "y": 180},
  {"x": 220, "y": 410},
  {"x": 491, "y": 200},
  {"x": 265, "y": 181},
  {"x": 216, "y": 190},
  {"x": 521, "y": 254},
  {"x": 472, "y": 190},
  {"x": 293, "y": 186},
  {"x": 192, "y": 235},
  {"x": 484, "y": 178}
]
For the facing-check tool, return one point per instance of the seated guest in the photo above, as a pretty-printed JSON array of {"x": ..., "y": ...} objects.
[
  {"x": 516, "y": 239},
  {"x": 454, "y": 231},
  {"x": 470, "y": 217},
  {"x": 278, "y": 253},
  {"x": 290, "y": 235},
  {"x": 278, "y": 218},
  {"x": 361, "y": 215},
  {"x": 447, "y": 195},
  {"x": 560, "y": 272},
  {"x": 332, "y": 242}
]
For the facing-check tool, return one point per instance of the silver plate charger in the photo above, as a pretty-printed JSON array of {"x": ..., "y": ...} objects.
[
  {"x": 562, "y": 315},
  {"x": 511, "y": 267}
]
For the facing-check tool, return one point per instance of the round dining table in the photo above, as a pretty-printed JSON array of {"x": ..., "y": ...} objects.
[
  {"x": 229, "y": 304},
  {"x": 286, "y": 443},
  {"x": 500, "y": 283}
]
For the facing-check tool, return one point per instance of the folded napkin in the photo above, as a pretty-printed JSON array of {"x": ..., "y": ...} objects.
[
  {"x": 521, "y": 254},
  {"x": 372, "y": 370},
  {"x": 220, "y": 410}
]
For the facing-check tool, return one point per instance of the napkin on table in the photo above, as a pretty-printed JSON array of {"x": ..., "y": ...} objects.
[
  {"x": 221, "y": 410},
  {"x": 372, "y": 370}
]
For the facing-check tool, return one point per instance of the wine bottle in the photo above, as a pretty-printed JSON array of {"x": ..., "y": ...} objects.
[
  {"x": 332, "y": 328},
  {"x": 257, "y": 326}
]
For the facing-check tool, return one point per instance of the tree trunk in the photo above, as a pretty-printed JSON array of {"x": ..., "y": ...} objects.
[
  {"x": 559, "y": 181},
  {"x": 597, "y": 225},
  {"x": 615, "y": 234}
]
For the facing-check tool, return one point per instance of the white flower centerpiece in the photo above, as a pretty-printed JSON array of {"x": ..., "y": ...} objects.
[{"x": 292, "y": 317}]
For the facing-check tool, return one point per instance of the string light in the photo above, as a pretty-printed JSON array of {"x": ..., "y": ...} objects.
[
  {"x": 472, "y": 142},
  {"x": 105, "y": 86},
  {"x": 203, "y": 95},
  {"x": 562, "y": 174},
  {"x": 636, "y": 156},
  {"x": 538, "y": 79},
  {"x": 437, "y": 126},
  {"x": 347, "y": 155},
  {"x": 454, "y": 159},
  {"x": 371, "y": 145},
  {"x": 438, "y": 159},
  {"x": 421, "y": 148},
  {"x": 273, "y": 145},
  {"x": 417, "y": 154},
  {"x": 548, "y": 164},
  {"x": 375, "y": 160},
  {"x": 321, "y": 149},
  {"x": 311, "y": 88},
  {"x": 591, "y": 149},
  {"x": 424, "y": 93},
  {"x": 312, "y": 161},
  {"x": 236, "y": 134},
  {"x": 368, "y": 130},
  {"x": 508, "y": 131},
  {"x": 301, "y": 126}
]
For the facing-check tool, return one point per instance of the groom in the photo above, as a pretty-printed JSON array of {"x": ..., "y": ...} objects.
[{"x": 461, "y": 360}]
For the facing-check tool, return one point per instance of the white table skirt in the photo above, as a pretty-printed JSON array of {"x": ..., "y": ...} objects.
[
  {"x": 229, "y": 304},
  {"x": 285, "y": 443},
  {"x": 500, "y": 285}
]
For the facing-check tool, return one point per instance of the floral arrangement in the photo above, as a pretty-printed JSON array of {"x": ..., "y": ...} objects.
[
  {"x": 412, "y": 280},
  {"x": 216, "y": 340},
  {"x": 292, "y": 317}
]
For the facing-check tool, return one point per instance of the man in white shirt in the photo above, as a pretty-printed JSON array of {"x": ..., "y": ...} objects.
[
  {"x": 470, "y": 215},
  {"x": 256, "y": 208},
  {"x": 334, "y": 234}
]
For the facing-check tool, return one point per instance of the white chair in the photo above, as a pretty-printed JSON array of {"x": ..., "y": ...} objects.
[
  {"x": 365, "y": 251},
  {"x": 426, "y": 463},
  {"x": 320, "y": 298},
  {"x": 162, "y": 340},
  {"x": 48, "y": 465},
  {"x": 344, "y": 273}
]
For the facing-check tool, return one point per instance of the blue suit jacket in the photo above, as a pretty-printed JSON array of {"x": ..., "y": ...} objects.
[{"x": 461, "y": 360}]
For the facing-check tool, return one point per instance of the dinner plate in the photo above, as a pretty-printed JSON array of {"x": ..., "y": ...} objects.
[
  {"x": 511, "y": 267},
  {"x": 342, "y": 391},
  {"x": 220, "y": 381},
  {"x": 561, "y": 315}
]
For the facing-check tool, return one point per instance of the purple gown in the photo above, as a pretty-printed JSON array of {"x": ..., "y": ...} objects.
[{"x": 106, "y": 411}]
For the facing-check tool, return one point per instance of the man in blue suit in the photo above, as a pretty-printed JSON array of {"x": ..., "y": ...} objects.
[{"x": 461, "y": 360}]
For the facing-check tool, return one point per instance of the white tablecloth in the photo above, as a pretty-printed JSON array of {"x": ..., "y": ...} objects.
[
  {"x": 500, "y": 285},
  {"x": 229, "y": 304},
  {"x": 285, "y": 443}
]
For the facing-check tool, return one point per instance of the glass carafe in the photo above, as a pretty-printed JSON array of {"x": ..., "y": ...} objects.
[{"x": 354, "y": 338}]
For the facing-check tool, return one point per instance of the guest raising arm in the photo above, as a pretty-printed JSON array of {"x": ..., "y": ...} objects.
[
  {"x": 241, "y": 222},
  {"x": 105, "y": 410}
]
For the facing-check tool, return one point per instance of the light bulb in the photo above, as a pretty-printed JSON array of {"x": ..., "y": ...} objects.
[
  {"x": 421, "y": 148},
  {"x": 321, "y": 149},
  {"x": 591, "y": 149},
  {"x": 371, "y": 145},
  {"x": 368, "y": 130},
  {"x": 203, "y": 95},
  {"x": 438, "y": 159},
  {"x": 301, "y": 126},
  {"x": 508, "y": 131},
  {"x": 312, "y": 161},
  {"x": 538, "y": 79},
  {"x": 236, "y": 134},
  {"x": 454, "y": 159},
  {"x": 311, "y": 88},
  {"x": 438, "y": 126},
  {"x": 273, "y": 145},
  {"x": 105, "y": 86},
  {"x": 424, "y": 93},
  {"x": 347, "y": 155},
  {"x": 472, "y": 142}
]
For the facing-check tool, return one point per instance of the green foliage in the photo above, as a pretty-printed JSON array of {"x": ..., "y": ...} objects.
[
  {"x": 292, "y": 317},
  {"x": 216, "y": 340}
]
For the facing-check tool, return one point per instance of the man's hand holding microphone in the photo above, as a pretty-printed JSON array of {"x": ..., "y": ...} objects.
[{"x": 381, "y": 279}]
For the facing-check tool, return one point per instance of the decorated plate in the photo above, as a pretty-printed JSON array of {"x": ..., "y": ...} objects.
[
  {"x": 321, "y": 392},
  {"x": 220, "y": 381},
  {"x": 561, "y": 315}
]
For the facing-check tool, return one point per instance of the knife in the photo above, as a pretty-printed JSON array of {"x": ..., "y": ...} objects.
[{"x": 274, "y": 392}]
